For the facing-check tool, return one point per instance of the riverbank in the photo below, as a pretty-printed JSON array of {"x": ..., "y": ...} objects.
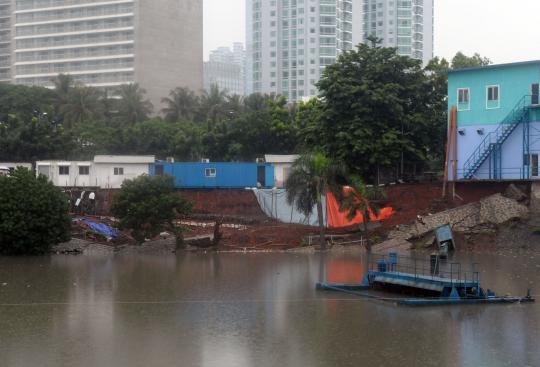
[{"x": 482, "y": 220}]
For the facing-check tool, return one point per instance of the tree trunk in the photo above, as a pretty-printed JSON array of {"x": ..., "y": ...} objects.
[
  {"x": 366, "y": 231},
  {"x": 217, "y": 232},
  {"x": 178, "y": 234},
  {"x": 322, "y": 237}
]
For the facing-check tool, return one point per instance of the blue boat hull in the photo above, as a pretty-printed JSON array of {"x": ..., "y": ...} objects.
[{"x": 356, "y": 289}]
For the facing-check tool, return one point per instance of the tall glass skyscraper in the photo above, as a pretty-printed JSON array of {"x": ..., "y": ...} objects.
[{"x": 289, "y": 42}]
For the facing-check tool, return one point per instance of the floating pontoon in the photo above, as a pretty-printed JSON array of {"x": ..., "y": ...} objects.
[{"x": 433, "y": 282}]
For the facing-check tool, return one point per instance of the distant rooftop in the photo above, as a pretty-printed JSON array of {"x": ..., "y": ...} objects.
[
  {"x": 494, "y": 66},
  {"x": 124, "y": 159},
  {"x": 275, "y": 158}
]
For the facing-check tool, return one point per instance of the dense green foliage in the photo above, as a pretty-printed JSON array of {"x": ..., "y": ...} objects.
[
  {"x": 461, "y": 61},
  {"x": 148, "y": 205},
  {"x": 33, "y": 214},
  {"x": 376, "y": 110},
  {"x": 379, "y": 109}
]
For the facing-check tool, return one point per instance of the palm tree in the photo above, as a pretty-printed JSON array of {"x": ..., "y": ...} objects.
[
  {"x": 259, "y": 102},
  {"x": 234, "y": 105},
  {"x": 361, "y": 199},
  {"x": 182, "y": 103},
  {"x": 132, "y": 105},
  {"x": 82, "y": 104},
  {"x": 313, "y": 175},
  {"x": 213, "y": 103},
  {"x": 63, "y": 86}
]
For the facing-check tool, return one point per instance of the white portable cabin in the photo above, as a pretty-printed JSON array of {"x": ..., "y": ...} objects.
[
  {"x": 4, "y": 170},
  {"x": 113, "y": 170},
  {"x": 68, "y": 173},
  {"x": 106, "y": 172},
  {"x": 282, "y": 166},
  {"x": 7, "y": 167}
]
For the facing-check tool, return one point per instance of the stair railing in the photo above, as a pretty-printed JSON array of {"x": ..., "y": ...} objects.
[{"x": 497, "y": 136}]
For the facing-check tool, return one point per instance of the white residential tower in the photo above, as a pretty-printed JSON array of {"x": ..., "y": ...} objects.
[{"x": 290, "y": 42}]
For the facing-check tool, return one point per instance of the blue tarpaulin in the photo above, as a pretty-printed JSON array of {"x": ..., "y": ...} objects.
[{"x": 101, "y": 228}]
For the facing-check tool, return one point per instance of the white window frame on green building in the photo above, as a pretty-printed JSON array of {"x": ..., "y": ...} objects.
[
  {"x": 491, "y": 102},
  {"x": 464, "y": 106}
]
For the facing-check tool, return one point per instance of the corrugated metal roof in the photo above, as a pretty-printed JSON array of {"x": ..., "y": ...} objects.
[
  {"x": 134, "y": 159},
  {"x": 276, "y": 158},
  {"x": 494, "y": 66}
]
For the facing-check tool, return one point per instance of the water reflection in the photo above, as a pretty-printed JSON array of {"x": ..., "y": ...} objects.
[{"x": 247, "y": 310}]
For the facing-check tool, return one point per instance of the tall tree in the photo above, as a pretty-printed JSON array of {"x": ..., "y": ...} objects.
[
  {"x": 133, "y": 107},
  {"x": 182, "y": 104},
  {"x": 213, "y": 104},
  {"x": 312, "y": 176},
  {"x": 82, "y": 105},
  {"x": 257, "y": 102},
  {"x": 63, "y": 85},
  {"x": 234, "y": 105},
  {"x": 462, "y": 61},
  {"x": 373, "y": 99}
]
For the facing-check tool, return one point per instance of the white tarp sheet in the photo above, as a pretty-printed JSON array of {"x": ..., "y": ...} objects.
[{"x": 273, "y": 203}]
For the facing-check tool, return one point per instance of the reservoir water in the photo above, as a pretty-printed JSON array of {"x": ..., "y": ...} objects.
[{"x": 249, "y": 309}]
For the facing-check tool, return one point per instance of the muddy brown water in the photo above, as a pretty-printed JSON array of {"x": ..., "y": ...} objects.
[{"x": 248, "y": 309}]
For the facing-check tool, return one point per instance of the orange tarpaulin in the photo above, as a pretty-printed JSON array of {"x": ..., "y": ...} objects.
[{"x": 337, "y": 219}]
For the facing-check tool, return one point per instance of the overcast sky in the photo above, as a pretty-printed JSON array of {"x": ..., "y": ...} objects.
[{"x": 502, "y": 30}]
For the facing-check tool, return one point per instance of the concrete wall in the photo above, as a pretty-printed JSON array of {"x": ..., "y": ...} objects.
[
  {"x": 511, "y": 152},
  {"x": 168, "y": 47}
]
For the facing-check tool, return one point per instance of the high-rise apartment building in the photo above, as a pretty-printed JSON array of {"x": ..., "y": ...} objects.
[
  {"x": 290, "y": 42},
  {"x": 5, "y": 40},
  {"x": 106, "y": 43},
  {"x": 404, "y": 24},
  {"x": 226, "y": 69}
]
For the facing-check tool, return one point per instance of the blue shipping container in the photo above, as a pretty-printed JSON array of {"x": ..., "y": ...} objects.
[{"x": 216, "y": 175}]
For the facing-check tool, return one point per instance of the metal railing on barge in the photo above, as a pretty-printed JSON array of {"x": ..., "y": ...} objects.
[{"x": 436, "y": 269}]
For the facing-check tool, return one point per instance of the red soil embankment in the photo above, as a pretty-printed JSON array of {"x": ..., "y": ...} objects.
[
  {"x": 411, "y": 200},
  {"x": 225, "y": 202}
]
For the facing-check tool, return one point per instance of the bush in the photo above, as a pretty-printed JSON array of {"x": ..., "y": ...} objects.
[
  {"x": 33, "y": 214},
  {"x": 148, "y": 205}
]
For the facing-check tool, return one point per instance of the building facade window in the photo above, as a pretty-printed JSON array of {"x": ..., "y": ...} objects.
[
  {"x": 63, "y": 170},
  {"x": 464, "y": 100},
  {"x": 118, "y": 171},
  {"x": 493, "y": 97},
  {"x": 210, "y": 172},
  {"x": 84, "y": 170}
]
